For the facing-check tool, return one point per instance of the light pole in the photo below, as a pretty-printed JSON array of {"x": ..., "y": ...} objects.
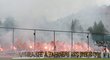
[
  {"x": 71, "y": 44},
  {"x": 13, "y": 40},
  {"x": 88, "y": 40},
  {"x": 34, "y": 38},
  {"x": 54, "y": 41}
]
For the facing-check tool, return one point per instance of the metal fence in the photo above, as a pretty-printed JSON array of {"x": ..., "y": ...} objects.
[{"x": 23, "y": 39}]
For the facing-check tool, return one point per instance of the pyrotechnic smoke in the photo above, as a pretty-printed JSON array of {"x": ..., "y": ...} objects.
[
  {"x": 26, "y": 18},
  {"x": 24, "y": 39}
]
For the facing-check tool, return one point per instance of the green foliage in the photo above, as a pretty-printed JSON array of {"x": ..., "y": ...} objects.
[
  {"x": 98, "y": 31},
  {"x": 98, "y": 28},
  {"x": 0, "y": 23},
  {"x": 9, "y": 23},
  {"x": 75, "y": 26},
  {"x": 0, "y": 26}
]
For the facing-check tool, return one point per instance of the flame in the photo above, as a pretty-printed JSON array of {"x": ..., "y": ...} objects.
[
  {"x": 1, "y": 49},
  {"x": 43, "y": 46},
  {"x": 14, "y": 48},
  {"x": 30, "y": 47},
  {"x": 82, "y": 46}
]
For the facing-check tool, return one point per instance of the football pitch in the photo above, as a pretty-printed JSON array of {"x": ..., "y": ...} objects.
[{"x": 67, "y": 59}]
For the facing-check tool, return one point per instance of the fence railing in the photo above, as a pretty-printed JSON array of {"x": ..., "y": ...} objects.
[{"x": 49, "y": 40}]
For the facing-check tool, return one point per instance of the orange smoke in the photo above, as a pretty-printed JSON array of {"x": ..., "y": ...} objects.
[
  {"x": 81, "y": 47},
  {"x": 42, "y": 46},
  {"x": 1, "y": 49}
]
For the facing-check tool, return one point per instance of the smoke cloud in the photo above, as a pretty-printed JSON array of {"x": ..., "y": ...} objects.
[{"x": 50, "y": 14}]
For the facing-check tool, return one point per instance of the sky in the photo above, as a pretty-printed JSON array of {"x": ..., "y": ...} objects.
[{"x": 50, "y": 9}]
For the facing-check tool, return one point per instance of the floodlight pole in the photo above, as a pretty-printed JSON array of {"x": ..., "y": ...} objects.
[
  {"x": 13, "y": 40},
  {"x": 34, "y": 38},
  {"x": 54, "y": 41},
  {"x": 88, "y": 40},
  {"x": 71, "y": 43}
]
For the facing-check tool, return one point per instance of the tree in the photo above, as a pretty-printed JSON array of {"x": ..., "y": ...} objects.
[
  {"x": 90, "y": 29},
  {"x": 9, "y": 23},
  {"x": 97, "y": 32},
  {"x": 98, "y": 28},
  {"x": 101, "y": 28},
  {"x": 75, "y": 26},
  {"x": 1, "y": 29},
  {"x": 0, "y": 23}
]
